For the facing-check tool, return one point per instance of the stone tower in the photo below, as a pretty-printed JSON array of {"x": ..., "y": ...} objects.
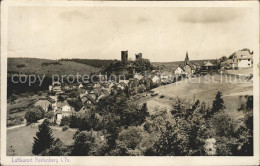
[
  {"x": 124, "y": 56},
  {"x": 138, "y": 56},
  {"x": 186, "y": 59}
]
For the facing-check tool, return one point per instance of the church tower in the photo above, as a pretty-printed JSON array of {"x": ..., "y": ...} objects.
[{"x": 186, "y": 59}]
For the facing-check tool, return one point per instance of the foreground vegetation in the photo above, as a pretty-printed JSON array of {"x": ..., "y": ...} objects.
[{"x": 125, "y": 129}]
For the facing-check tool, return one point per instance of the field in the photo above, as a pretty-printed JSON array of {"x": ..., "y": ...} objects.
[
  {"x": 21, "y": 139},
  {"x": 198, "y": 89},
  {"x": 16, "y": 109},
  {"x": 246, "y": 71},
  {"x": 47, "y": 67}
]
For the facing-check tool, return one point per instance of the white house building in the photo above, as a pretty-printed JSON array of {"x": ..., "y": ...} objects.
[
  {"x": 63, "y": 109},
  {"x": 178, "y": 71},
  {"x": 243, "y": 58}
]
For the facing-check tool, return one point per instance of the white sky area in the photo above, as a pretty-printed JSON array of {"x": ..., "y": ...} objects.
[{"x": 161, "y": 34}]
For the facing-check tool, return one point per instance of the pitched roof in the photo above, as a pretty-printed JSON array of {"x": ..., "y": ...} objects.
[
  {"x": 138, "y": 76},
  {"x": 46, "y": 98},
  {"x": 179, "y": 67},
  {"x": 208, "y": 64},
  {"x": 191, "y": 65},
  {"x": 61, "y": 104},
  {"x": 243, "y": 55},
  {"x": 91, "y": 98}
]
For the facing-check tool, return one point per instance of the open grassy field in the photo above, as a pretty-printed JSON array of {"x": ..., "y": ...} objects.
[
  {"x": 245, "y": 71},
  {"x": 198, "y": 89},
  {"x": 21, "y": 139}
]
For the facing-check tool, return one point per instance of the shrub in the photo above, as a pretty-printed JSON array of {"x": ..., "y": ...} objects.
[
  {"x": 34, "y": 114},
  {"x": 65, "y": 121},
  {"x": 64, "y": 128}
]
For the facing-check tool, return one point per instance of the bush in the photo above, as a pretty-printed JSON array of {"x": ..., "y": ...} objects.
[
  {"x": 34, "y": 114},
  {"x": 65, "y": 121},
  {"x": 64, "y": 128}
]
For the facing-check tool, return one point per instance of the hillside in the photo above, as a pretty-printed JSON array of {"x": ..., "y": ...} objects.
[
  {"x": 47, "y": 67},
  {"x": 98, "y": 63}
]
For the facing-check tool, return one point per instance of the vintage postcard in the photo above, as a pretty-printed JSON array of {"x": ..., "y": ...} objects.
[{"x": 129, "y": 83}]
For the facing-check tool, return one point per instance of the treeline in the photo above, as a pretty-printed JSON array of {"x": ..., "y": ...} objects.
[
  {"x": 20, "y": 88},
  {"x": 98, "y": 63}
]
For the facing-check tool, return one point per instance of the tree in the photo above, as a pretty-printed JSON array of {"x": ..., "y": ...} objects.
[
  {"x": 223, "y": 59},
  {"x": 171, "y": 142},
  {"x": 65, "y": 121},
  {"x": 49, "y": 114},
  {"x": 50, "y": 107},
  {"x": 43, "y": 139},
  {"x": 60, "y": 98},
  {"x": 246, "y": 147},
  {"x": 82, "y": 144},
  {"x": 74, "y": 121},
  {"x": 218, "y": 103},
  {"x": 76, "y": 103},
  {"x": 130, "y": 137},
  {"x": 58, "y": 148},
  {"x": 34, "y": 114}
]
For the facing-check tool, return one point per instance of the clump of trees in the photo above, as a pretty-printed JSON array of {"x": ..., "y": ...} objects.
[
  {"x": 140, "y": 66},
  {"x": 34, "y": 114}
]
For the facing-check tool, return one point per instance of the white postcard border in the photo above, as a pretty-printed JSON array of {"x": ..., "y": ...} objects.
[{"x": 110, "y": 160}]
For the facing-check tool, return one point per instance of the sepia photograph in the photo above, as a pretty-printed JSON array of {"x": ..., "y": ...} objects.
[{"x": 143, "y": 79}]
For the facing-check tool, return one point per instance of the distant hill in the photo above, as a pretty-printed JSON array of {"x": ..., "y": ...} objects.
[
  {"x": 99, "y": 63},
  {"x": 47, "y": 67}
]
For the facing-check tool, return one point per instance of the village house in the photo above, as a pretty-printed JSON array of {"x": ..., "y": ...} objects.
[
  {"x": 179, "y": 70},
  {"x": 166, "y": 77},
  {"x": 80, "y": 85},
  {"x": 92, "y": 94},
  {"x": 238, "y": 60},
  {"x": 138, "y": 76},
  {"x": 90, "y": 101},
  {"x": 188, "y": 69},
  {"x": 63, "y": 110},
  {"x": 156, "y": 79},
  {"x": 242, "y": 59},
  {"x": 207, "y": 66},
  {"x": 45, "y": 103},
  {"x": 56, "y": 87}
]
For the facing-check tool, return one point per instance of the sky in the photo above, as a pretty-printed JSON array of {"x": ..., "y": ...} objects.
[{"x": 160, "y": 34}]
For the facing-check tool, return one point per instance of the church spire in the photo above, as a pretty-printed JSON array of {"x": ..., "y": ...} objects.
[{"x": 186, "y": 58}]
